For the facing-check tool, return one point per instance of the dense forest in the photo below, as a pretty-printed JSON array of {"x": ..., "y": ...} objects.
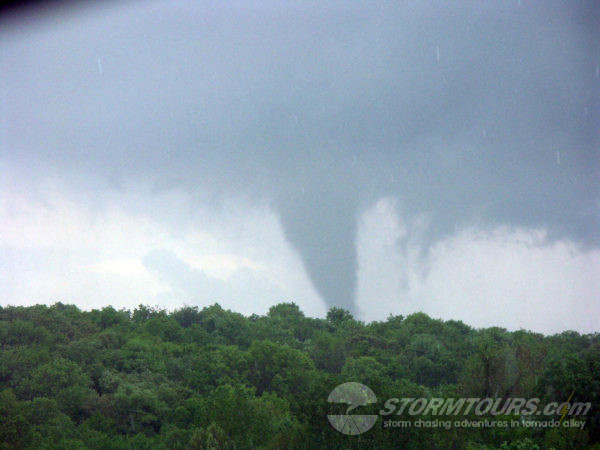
[{"x": 212, "y": 378}]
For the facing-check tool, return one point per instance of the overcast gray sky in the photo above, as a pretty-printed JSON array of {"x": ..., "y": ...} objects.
[{"x": 385, "y": 157}]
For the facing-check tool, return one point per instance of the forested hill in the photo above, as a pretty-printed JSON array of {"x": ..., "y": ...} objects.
[{"x": 213, "y": 378}]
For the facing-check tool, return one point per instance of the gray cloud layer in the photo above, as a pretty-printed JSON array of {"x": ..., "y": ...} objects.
[{"x": 478, "y": 113}]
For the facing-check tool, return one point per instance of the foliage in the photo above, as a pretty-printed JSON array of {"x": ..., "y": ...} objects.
[{"x": 212, "y": 378}]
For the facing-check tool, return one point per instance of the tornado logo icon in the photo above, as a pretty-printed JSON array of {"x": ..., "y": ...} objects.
[{"x": 355, "y": 395}]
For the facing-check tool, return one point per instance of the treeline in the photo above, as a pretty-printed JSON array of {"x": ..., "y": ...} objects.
[{"x": 213, "y": 378}]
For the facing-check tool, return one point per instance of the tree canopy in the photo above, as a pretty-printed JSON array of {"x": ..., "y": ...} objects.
[{"x": 213, "y": 378}]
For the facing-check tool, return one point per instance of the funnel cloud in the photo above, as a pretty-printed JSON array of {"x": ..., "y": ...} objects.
[{"x": 470, "y": 114}]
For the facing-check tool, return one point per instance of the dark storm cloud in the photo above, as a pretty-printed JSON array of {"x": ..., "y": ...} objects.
[{"x": 471, "y": 112}]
